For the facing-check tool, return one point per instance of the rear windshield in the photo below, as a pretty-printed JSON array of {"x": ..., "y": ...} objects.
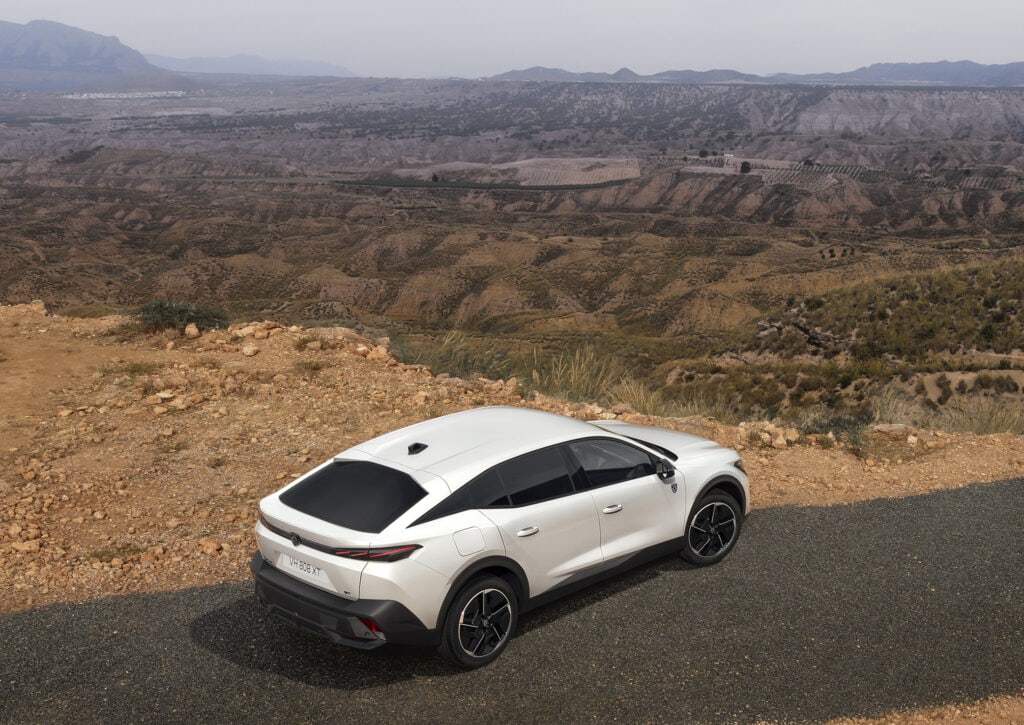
[{"x": 355, "y": 494}]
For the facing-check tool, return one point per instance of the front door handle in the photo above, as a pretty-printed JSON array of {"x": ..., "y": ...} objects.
[
  {"x": 613, "y": 509},
  {"x": 528, "y": 531}
]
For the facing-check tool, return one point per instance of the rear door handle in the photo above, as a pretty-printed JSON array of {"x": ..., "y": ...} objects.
[
  {"x": 528, "y": 531},
  {"x": 613, "y": 509}
]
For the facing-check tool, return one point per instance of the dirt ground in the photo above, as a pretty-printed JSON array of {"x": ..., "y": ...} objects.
[{"x": 136, "y": 464}]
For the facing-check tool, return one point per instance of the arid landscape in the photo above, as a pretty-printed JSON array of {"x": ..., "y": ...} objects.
[{"x": 824, "y": 271}]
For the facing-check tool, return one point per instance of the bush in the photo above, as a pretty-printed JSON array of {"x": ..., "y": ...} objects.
[
  {"x": 166, "y": 315},
  {"x": 844, "y": 426}
]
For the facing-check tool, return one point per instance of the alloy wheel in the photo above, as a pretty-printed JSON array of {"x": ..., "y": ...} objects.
[
  {"x": 712, "y": 529},
  {"x": 485, "y": 622}
]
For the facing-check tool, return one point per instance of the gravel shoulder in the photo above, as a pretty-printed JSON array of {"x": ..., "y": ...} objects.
[{"x": 135, "y": 467}]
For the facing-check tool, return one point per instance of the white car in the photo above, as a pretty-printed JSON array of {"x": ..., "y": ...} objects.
[{"x": 443, "y": 532}]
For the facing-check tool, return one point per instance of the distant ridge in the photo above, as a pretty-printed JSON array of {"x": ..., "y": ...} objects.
[
  {"x": 249, "y": 65},
  {"x": 941, "y": 73},
  {"x": 962, "y": 73},
  {"x": 625, "y": 75}
]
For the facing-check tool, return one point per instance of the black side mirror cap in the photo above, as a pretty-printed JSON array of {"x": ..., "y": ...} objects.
[{"x": 664, "y": 469}]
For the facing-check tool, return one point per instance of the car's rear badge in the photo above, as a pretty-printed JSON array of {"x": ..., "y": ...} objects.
[{"x": 296, "y": 540}]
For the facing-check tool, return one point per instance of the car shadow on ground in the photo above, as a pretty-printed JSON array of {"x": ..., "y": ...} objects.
[{"x": 242, "y": 633}]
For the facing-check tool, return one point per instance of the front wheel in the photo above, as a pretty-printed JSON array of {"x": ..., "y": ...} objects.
[
  {"x": 712, "y": 529},
  {"x": 480, "y": 622}
]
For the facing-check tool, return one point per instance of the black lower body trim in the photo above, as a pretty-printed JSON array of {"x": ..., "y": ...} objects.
[
  {"x": 603, "y": 571},
  {"x": 339, "y": 620}
]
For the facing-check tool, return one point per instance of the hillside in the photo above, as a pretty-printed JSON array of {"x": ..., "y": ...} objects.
[{"x": 915, "y": 316}]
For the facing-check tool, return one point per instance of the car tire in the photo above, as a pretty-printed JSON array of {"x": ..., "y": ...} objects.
[
  {"x": 479, "y": 622},
  {"x": 712, "y": 529}
]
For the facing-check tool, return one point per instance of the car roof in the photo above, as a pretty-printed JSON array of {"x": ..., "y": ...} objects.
[{"x": 461, "y": 445}]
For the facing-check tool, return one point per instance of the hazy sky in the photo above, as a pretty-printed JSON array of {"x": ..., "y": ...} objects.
[{"x": 428, "y": 38}]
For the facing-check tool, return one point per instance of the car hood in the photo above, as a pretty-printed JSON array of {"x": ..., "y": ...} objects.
[{"x": 674, "y": 441}]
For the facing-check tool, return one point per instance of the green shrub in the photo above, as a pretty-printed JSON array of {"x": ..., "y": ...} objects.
[
  {"x": 167, "y": 315},
  {"x": 847, "y": 426}
]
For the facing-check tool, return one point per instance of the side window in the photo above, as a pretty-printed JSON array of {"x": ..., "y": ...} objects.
[
  {"x": 458, "y": 501},
  {"x": 536, "y": 477},
  {"x": 485, "y": 491},
  {"x": 606, "y": 461}
]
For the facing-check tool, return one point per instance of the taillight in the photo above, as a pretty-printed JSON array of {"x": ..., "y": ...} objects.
[
  {"x": 372, "y": 630},
  {"x": 382, "y": 553}
]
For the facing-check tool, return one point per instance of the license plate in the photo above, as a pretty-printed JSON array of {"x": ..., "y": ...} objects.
[{"x": 303, "y": 568}]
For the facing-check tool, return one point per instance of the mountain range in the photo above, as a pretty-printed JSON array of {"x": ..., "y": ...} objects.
[
  {"x": 42, "y": 55},
  {"x": 944, "y": 73}
]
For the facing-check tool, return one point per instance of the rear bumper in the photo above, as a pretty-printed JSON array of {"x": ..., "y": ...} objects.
[{"x": 314, "y": 610}]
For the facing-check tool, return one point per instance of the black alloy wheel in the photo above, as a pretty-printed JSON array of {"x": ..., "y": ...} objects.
[
  {"x": 712, "y": 529},
  {"x": 480, "y": 622}
]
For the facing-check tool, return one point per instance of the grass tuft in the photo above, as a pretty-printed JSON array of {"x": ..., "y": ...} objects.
[
  {"x": 458, "y": 354},
  {"x": 638, "y": 396},
  {"x": 979, "y": 415},
  {"x": 310, "y": 367},
  {"x": 137, "y": 367},
  {"x": 582, "y": 375}
]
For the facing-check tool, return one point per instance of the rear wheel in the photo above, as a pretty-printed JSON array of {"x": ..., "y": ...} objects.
[
  {"x": 479, "y": 622},
  {"x": 712, "y": 530}
]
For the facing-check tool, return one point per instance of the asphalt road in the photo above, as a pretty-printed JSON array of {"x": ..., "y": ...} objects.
[{"x": 818, "y": 613}]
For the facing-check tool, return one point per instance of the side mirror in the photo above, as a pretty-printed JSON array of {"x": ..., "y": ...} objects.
[{"x": 664, "y": 470}]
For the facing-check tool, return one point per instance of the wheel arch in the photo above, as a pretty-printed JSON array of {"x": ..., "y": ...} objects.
[
  {"x": 727, "y": 485},
  {"x": 498, "y": 566}
]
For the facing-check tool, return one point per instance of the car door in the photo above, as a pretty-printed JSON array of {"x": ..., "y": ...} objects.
[
  {"x": 548, "y": 528},
  {"x": 636, "y": 508}
]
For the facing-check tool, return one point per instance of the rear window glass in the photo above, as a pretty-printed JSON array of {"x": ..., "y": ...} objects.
[{"x": 355, "y": 494}]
